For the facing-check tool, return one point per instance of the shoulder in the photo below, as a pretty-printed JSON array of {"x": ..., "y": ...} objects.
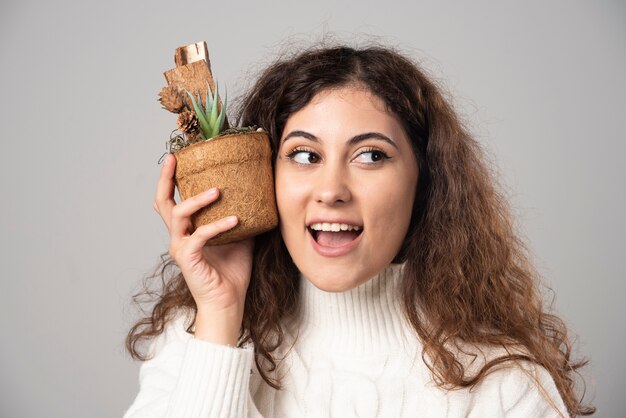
[
  {"x": 522, "y": 389},
  {"x": 514, "y": 388}
]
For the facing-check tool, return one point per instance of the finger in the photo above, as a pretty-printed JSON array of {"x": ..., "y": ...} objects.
[
  {"x": 204, "y": 233},
  {"x": 164, "y": 199},
  {"x": 181, "y": 213}
]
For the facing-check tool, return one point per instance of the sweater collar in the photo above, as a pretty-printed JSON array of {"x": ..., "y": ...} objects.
[{"x": 366, "y": 319}]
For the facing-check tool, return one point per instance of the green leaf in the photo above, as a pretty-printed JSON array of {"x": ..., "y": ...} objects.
[
  {"x": 196, "y": 107},
  {"x": 210, "y": 97},
  {"x": 213, "y": 117},
  {"x": 200, "y": 103},
  {"x": 201, "y": 116},
  {"x": 222, "y": 116}
]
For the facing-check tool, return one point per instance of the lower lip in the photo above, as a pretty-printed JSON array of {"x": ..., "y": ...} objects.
[{"x": 334, "y": 251}]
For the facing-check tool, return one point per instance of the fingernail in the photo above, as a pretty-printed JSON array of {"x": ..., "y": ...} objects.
[
  {"x": 231, "y": 219},
  {"x": 211, "y": 192}
]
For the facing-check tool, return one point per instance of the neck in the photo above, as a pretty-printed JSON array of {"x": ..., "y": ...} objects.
[{"x": 366, "y": 319}]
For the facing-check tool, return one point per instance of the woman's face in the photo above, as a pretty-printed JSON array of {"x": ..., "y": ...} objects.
[{"x": 344, "y": 165}]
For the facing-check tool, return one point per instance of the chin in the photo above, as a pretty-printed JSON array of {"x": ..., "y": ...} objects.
[{"x": 335, "y": 279}]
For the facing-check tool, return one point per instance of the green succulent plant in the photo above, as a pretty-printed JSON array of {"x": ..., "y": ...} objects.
[{"x": 210, "y": 121}]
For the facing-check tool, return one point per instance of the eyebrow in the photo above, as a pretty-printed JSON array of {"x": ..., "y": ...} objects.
[{"x": 354, "y": 140}]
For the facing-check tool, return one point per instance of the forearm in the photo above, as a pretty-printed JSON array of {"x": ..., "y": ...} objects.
[
  {"x": 190, "y": 377},
  {"x": 213, "y": 381}
]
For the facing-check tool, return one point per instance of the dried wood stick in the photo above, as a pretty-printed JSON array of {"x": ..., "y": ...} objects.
[{"x": 193, "y": 71}]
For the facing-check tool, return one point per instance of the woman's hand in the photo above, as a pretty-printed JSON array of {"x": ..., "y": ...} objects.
[{"x": 217, "y": 276}]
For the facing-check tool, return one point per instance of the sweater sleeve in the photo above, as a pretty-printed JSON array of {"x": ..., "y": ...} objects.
[
  {"x": 526, "y": 391},
  {"x": 189, "y": 377}
]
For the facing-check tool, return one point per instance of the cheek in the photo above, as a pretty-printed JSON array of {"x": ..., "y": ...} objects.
[
  {"x": 389, "y": 204},
  {"x": 395, "y": 188},
  {"x": 289, "y": 195},
  {"x": 279, "y": 186}
]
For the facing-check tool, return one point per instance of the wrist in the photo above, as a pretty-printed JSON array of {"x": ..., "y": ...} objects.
[{"x": 220, "y": 328}]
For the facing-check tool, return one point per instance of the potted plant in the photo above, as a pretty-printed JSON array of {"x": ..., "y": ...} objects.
[{"x": 236, "y": 160}]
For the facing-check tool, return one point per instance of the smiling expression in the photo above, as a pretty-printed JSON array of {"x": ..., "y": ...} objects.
[{"x": 344, "y": 159}]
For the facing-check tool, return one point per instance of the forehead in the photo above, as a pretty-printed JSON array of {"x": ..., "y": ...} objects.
[
  {"x": 344, "y": 109},
  {"x": 355, "y": 95}
]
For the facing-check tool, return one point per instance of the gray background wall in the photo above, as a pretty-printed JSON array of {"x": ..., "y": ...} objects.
[{"x": 541, "y": 84}]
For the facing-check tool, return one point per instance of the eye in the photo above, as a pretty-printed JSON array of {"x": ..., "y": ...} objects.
[
  {"x": 303, "y": 156},
  {"x": 372, "y": 156}
]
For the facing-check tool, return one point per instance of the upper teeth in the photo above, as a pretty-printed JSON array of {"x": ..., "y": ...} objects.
[{"x": 335, "y": 227}]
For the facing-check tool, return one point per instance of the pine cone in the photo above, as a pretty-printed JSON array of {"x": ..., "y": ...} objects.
[
  {"x": 193, "y": 137},
  {"x": 171, "y": 99},
  {"x": 188, "y": 123}
]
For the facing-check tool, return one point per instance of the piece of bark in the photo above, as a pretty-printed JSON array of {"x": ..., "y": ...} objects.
[
  {"x": 192, "y": 72},
  {"x": 191, "y": 53},
  {"x": 192, "y": 77}
]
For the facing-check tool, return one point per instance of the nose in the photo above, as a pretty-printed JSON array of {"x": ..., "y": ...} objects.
[{"x": 332, "y": 186}]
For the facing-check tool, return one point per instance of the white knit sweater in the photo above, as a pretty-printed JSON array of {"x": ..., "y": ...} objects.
[{"x": 355, "y": 356}]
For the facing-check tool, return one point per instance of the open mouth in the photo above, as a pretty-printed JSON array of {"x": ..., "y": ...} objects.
[{"x": 334, "y": 235}]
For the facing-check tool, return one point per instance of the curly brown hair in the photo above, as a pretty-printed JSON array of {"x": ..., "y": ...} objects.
[{"x": 465, "y": 266}]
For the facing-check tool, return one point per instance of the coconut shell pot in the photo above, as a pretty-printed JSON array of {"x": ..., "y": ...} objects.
[{"x": 240, "y": 165}]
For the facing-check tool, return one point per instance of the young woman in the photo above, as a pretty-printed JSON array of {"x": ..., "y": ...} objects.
[{"x": 394, "y": 286}]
